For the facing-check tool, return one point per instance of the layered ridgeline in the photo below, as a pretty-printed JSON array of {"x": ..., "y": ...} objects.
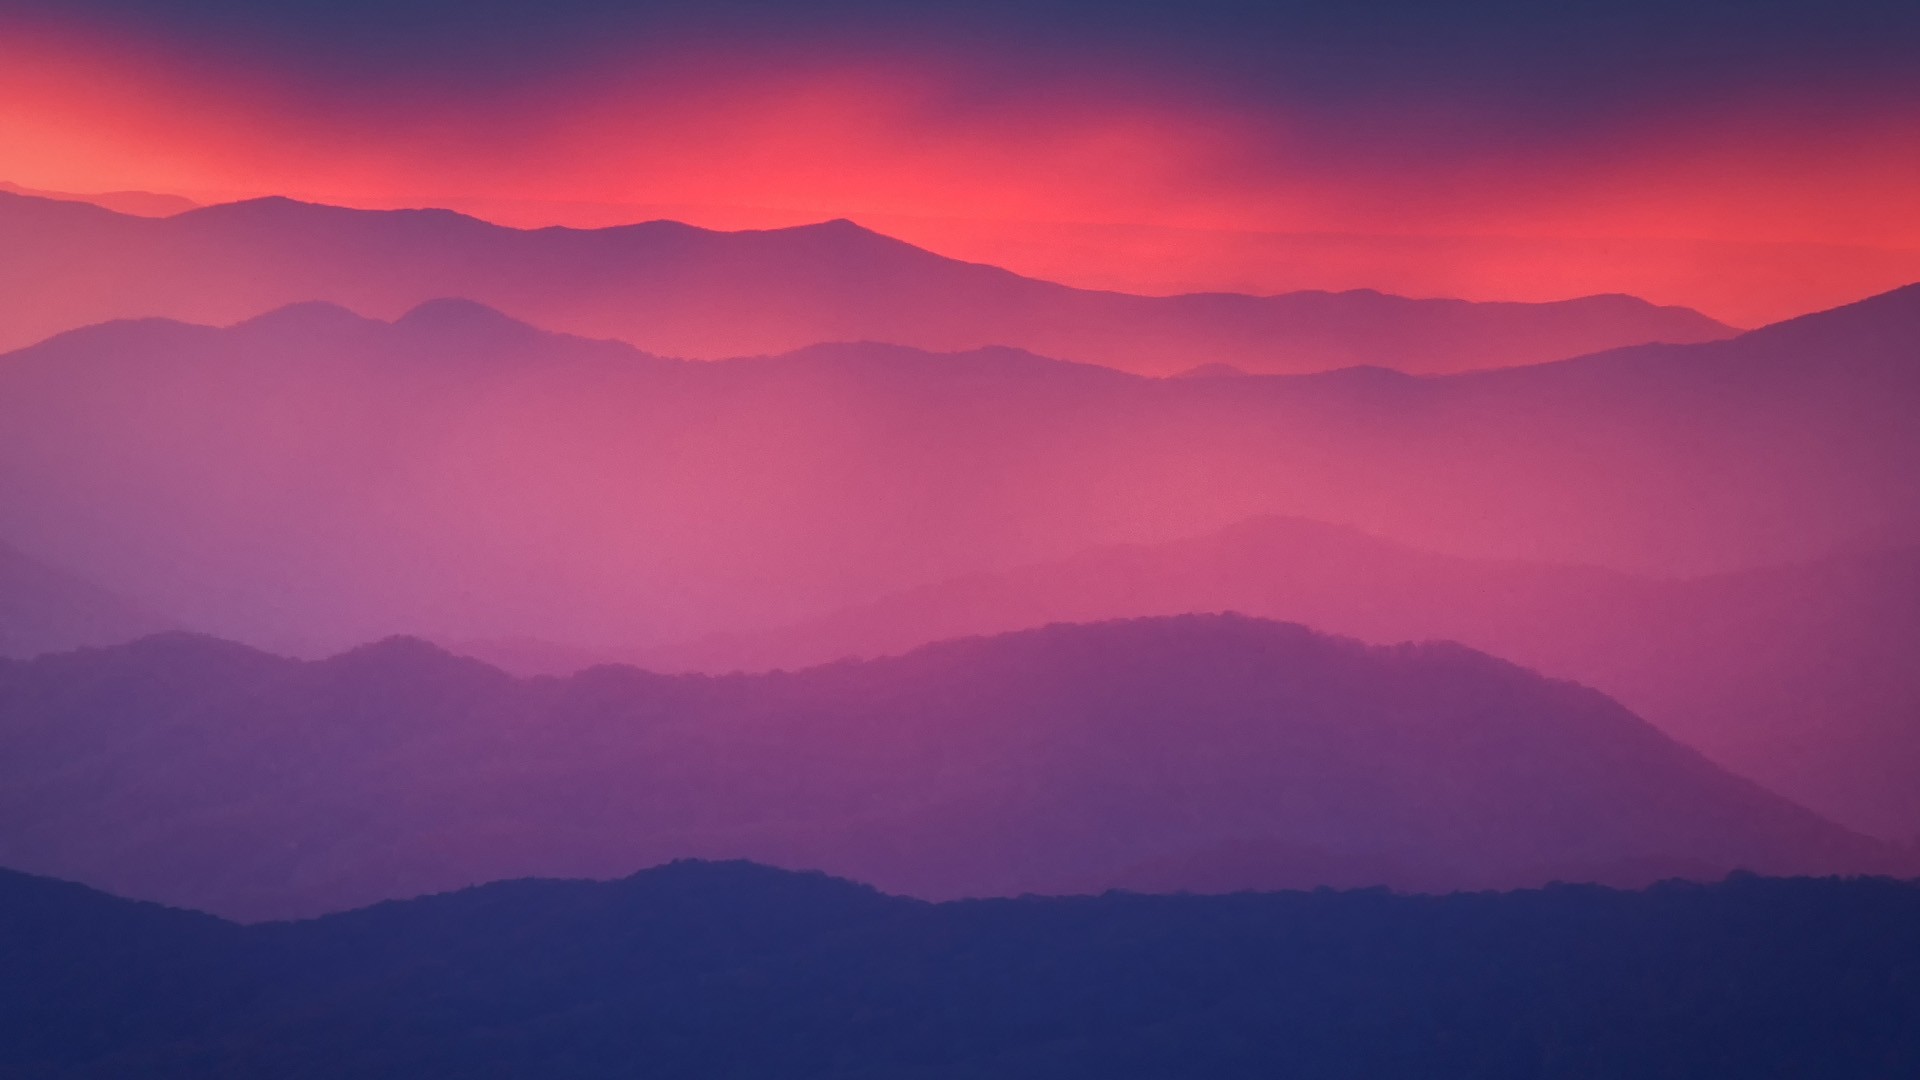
[
  {"x": 132, "y": 203},
  {"x": 1202, "y": 752},
  {"x": 46, "y": 609},
  {"x": 311, "y": 479},
  {"x": 1800, "y": 676},
  {"x": 684, "y": 291},
  {"x": 705, "y": 969}
]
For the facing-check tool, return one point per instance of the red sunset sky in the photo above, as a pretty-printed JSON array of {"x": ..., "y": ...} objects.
[{"x": 1458, "y": 167}]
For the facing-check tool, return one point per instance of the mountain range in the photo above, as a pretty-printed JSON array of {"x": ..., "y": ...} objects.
[
  {"x": 311, "y": 479},
  {"x": 1800, "y": 676},
  {"x": 45, "y": 609},
  {"x": 1207, "y": 752},
  {"x": 131, "y": 203},
  {"x": 730, "y": 969},
  {"x": 682, "y": 291}
]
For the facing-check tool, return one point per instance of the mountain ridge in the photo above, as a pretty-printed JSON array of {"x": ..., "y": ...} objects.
[
  {"x": 50, "y": 609},
  {"x": 1048, "y": 760},
  {"x": 131, "y": 203},
  {"x": 1749, "y": 666},
  {"x": 687, "y": 968},
  {"x": 671, "y": 499},
  {"x": 705, "y": 294}
]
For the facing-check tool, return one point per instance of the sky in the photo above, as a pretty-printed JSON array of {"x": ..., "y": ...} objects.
[{"x": 1753, "y": 159}]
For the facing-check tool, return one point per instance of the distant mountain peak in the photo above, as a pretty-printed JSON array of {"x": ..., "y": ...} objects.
[
  {"x": 1212, "y": 371},
  {"x": 282, "y": 209},
  {"x": 264, "y": 204},
  {"x": 180, "y": 650},
  {"x": 459, "y": 313},
  {"x": 407, "y": 656},
  {"x": 660, "y": 285},
  {"x": 474, "y": 329},
  {"x": 746, "y": 875},
  {"x": 848, "y": 234},
  {"x": 843, "y": 226},
  {"x": 309, "y": 316},
  {"x": 129, "y": 203},
  {"x": 397, "y": 645}
]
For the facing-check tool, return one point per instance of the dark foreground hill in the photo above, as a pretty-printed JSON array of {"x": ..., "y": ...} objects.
[
  {"x": 736, "y": 970},
  {"x": 1192, "y": 752}
]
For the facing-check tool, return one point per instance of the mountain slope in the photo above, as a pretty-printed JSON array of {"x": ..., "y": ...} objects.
[
  {"x": 1062, "y": 759},
  {"x": 44, "y": 609},
  {"x": 1800, "y": 676},
  {"x": 702, "y": 969},
  {"x": 310, "y": 479},
  {"x": 682, "y": 291},
  {"x": 131, "y": 203}
]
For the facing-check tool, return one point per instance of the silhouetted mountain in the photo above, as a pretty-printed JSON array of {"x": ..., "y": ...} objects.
[
  {"x": 202, "y": 773},
  {"x": 86, "y": 974},
  {"x": 527, "y": 657},
  {"x": 1211, "y": 371},
  {"x": 44, "y": 609},
  {"x": 682, "y": 291},
  {"x": 1333, "y": 578},
  {"x": 133, "y": 203},
  {"x": 309, "y": 479},
  {"x": 1800, "y": 676},
  {"x": 703, "y": 970}
]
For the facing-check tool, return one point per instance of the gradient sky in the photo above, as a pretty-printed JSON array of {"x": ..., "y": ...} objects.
[{"x": 1754, "y": 159}]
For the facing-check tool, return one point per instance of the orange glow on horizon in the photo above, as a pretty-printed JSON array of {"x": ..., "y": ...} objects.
[{"x": 1749, "y": 216}]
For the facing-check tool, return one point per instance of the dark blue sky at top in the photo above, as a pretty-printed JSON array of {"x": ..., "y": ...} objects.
[{"x": 1544, "y": 61}]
